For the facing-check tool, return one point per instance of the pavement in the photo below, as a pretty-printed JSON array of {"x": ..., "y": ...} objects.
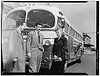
[
  {"x": 89, "y": 52},
  {"x": 87, "y": 66}
]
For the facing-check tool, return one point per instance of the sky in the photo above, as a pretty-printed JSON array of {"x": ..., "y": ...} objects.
[{"x": 81, "y": 15}]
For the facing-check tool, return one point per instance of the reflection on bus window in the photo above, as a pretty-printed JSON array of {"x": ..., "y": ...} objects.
[
  {"x": 45, "y": 18},
  {"x": 14, "y": 19}
]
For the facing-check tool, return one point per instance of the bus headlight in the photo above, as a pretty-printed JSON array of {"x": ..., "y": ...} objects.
[{"x": 47, "y": 43}]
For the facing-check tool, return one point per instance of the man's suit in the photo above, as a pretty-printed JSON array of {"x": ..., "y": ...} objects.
[
  {"x": 34, "y": 46},
  {"x": 17, "y": 49}
]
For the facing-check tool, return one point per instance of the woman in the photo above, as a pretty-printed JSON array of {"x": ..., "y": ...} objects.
[{"x": 59, "y": 48}]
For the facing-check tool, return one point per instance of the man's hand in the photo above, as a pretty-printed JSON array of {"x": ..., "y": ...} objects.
[
  {"x": 15, "y": 62},
  {"x": 55, "y": 57},
  {"x": 29, "y": 55},
  {"x": 40, "y": 47}
]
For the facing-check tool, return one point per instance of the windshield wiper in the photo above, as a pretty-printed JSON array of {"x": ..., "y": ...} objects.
[{"x": 43, "y": 25}]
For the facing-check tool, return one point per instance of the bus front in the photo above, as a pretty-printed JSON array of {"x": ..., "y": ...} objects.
[{"x": 47, "y": 21}]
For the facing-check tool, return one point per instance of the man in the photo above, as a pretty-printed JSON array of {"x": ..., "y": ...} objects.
[
  {"x": 17, "y": 49},
  {"x": 35, "y": 49}
]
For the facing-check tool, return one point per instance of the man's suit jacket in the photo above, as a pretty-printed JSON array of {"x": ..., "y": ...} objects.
[
  {"x": 33, "y": 41},
  {"x": 36, "y": 50},
  {"x": 17, "y": 48}
]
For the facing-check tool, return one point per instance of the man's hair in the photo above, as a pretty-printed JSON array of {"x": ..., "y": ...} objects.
[
  {"x": 19, "y": 23},
  {"x": 37, "y": 24}
]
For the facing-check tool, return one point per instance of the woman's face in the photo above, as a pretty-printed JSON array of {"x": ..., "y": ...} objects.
[{"x": 59, "y": 32}]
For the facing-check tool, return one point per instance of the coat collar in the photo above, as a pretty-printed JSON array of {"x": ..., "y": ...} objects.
[{"x": 60, "y": 37}]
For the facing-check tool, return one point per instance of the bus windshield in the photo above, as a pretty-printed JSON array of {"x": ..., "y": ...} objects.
[
  {"x": 45, "y": 18},
  {"x": 14, "y": 19}
]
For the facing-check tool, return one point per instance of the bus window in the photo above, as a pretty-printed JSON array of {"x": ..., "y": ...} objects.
[
  {"x": 59, "y": 20},
  {"x": 71, "y": 31},
  {"x": 79, "y": 36},
  {"x": 14, "y": 19},
  {"x": 66, "y": 27},
  {"x": 45, "y": 18},
  {"x": 76, "y": 35}
]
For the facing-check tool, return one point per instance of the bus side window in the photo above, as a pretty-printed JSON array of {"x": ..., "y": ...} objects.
[
  {"x": 74, "y": 33},
  {"x": 66, "y": 27},
  {"x": 71, "y": 31}
]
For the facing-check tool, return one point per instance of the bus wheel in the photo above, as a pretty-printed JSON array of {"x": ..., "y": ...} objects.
[{"x": 65, "y": 66}]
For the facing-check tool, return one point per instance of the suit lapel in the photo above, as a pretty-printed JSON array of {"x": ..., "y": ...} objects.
[
  {"x": 40, "y": 38},
  {"x": 19, "y": 35}
]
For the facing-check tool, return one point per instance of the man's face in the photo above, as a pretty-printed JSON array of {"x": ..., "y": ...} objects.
[
  {"x": 23, "y": 26},
  {"x": 37, "y": 28}
]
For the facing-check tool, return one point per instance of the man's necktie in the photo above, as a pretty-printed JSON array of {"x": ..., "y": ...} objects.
[{"x": 38, "y": 37}]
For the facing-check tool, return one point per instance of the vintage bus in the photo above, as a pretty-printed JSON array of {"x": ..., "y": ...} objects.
[{"x": 49, "y": 17}]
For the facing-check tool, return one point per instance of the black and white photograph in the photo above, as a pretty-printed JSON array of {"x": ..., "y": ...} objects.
[{"x": 49, "y": 37}]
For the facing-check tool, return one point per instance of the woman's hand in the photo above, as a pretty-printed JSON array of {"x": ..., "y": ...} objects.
[
  {"x": 56, "y": 58},
  {"x": 60, "y": 59},
  {"x": 15, "y": 59}
]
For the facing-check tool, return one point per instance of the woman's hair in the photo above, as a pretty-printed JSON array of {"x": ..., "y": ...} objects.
[
  {"x": 60, "y": 25},
  {"x": 61, "y": 30}
]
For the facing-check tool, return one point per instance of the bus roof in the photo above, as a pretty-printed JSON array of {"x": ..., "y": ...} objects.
[{"x": 50, "y": 8}]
